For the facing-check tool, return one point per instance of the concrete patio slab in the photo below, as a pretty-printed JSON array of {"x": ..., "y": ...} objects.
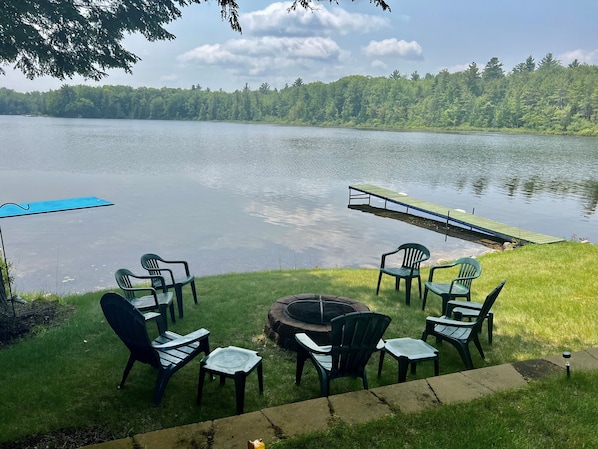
[
  {"x": 287, "y": 421},
  {"x": 497, "y": 378},
  {"x": 408, "y": 397},
  {"x": 456, "y": 387},
  {"x": 583, "y": 360},
  {"x": 183, "y": 437},
  {"x": 300, "y": 417},
  {"x": 234, "y": 432},
  {"x": 358, "y": 407},
  {"x": 593, "y": 352}
]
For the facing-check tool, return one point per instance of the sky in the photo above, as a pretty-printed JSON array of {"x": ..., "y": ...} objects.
[{"x": 352, "y": 38}]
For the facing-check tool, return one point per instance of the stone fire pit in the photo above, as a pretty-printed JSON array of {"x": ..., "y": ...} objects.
[{"x": 307, "y": 312}]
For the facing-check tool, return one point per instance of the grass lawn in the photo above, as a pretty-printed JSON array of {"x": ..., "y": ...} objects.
[{"x": 65, "y": 377}]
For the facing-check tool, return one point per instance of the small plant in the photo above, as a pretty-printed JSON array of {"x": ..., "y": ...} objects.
[{"x": 5, "y": 280}]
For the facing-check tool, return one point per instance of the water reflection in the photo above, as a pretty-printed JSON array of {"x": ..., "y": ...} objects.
[{"x": 233, "y": 197}]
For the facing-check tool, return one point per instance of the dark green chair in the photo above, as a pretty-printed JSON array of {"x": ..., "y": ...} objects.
[
  {"x": 168, "y": 353},
  {"x": 470, "y": 310},
  {"x": 413, "y": 255},
  {"x": 354, "y": 337},
  {"x": 458, "y": 287},
  {"x": 461, "y": 333},
  {"x": 154, "y": 301},
  {"x": 176, "y": 274}
]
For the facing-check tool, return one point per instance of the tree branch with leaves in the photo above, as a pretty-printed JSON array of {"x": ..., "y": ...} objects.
[{"x": 63, "y": 38}]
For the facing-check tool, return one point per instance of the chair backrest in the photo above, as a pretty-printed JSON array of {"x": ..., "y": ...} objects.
[
  {"x": 129, "y": 324},
  {"x": 123, "y": 280},
  {"x": 488, "y": 303},
  {"x": 150, "y": 262},
  {"x": 414, "y": 254},
  {"x": 470, "y": 269},
  {"x": 354, "y": 337}
]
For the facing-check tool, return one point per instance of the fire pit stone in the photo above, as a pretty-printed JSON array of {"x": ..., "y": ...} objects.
[{"x": 306, "y": 312}]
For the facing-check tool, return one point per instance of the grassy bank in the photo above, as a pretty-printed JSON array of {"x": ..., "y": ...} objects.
[{"x": 66, "y": 376}]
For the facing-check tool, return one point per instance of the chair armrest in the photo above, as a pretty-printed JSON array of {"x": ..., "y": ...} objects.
[
  {"x": 439, "y": 267},
  {"x": 182, "y": 340},
  {"x": 180, "y": 262},
  {"x": 308, "y": 344},
  {"x": 160, "y": 270},
  {"x": 152, "y": 278},
  {"x": 383, "y": 260},
  {"x": 448, "y": 322},
  {"x": 149, "y": 316},
  {"x": 452, "y": 304}
]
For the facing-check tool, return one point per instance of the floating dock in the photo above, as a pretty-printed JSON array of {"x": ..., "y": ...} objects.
[{"x": 448, "y": 216}]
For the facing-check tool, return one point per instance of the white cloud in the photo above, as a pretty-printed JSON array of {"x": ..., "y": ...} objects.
[
  {"x": 584, "y": 56},
  {"x": 211, "y": 54},
  {"x": 277, "y": 19},
  {"x": 266, "y": 54},
  {"x": 458, "y": 68},
  {"x": 377, "y": 64},
  {"x": 394, "y": 47}
]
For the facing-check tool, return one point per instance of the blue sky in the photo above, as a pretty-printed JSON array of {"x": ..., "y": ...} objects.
[{"x": 277, "y": 46}]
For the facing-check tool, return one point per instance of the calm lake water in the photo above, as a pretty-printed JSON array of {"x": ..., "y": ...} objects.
[{"x": 243, "y": 197}]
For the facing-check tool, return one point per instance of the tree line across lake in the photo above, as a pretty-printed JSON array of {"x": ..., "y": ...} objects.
[{"x": 544, "y": 97}]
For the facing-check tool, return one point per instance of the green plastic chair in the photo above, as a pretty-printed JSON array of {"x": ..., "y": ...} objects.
[
  {"x": 461, "y": 333},
  {"x": 176, "y": 274},
  {"x": 413, "y": 255},
  {"x": 154, "y": 301},
  {"x": 458, "y": 287},
  {"x": 168, "y": 353},
  {"x": 354, "y": 337},
  {"x": 470, "y": 310}
]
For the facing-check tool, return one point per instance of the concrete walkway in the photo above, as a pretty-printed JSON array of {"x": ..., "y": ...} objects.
[{"x": 287, "y": 421}]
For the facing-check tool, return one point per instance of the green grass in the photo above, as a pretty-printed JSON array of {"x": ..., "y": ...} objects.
[
  {"x": 66, "y": 376},
  {"x": 550, "y": 414}
]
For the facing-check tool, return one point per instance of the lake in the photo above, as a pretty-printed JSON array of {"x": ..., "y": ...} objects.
[{"x": 233, "y": 197}]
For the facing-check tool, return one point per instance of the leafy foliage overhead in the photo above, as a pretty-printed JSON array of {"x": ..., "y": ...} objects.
[{"x": 62, "y": 38}]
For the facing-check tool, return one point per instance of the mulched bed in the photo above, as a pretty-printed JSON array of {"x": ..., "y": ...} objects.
[{"x": 28, "y": 317}]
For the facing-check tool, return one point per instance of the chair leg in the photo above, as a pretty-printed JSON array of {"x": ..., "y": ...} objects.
[
  {"x": 419, "y": 283},
  {"x": 478, "y": 345},
  {"x": 172, "y": 317},
  {"x": 301, "y": 358},
  {"x": 161, "y": 382},
  {"x": 381, "y": 362},
  {"x": 200, "y": 382},
  {"x": 408, "y": 282},
  {"x": 403, "y": 366},
  {"x": 240, "y": 378},
  {"x": 379, "y": 280},
  {"x": 490, "y": 319},
  {"x": 465, "y": 355},
  {"x": 425, "y": 298},
  {"x": 194, "y": 291},
  {"x": 260, "y": 378},
  {"x": 178, "y": 289},
  {"x": 365, "y": 380},
  {"x": 324, "y": 382},
  {"x": 445, "y": 300},
  {"x": 130, "y": 363}
]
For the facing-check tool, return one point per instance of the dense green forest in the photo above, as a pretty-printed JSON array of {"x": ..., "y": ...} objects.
[{"x": 543, "y": 97}]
